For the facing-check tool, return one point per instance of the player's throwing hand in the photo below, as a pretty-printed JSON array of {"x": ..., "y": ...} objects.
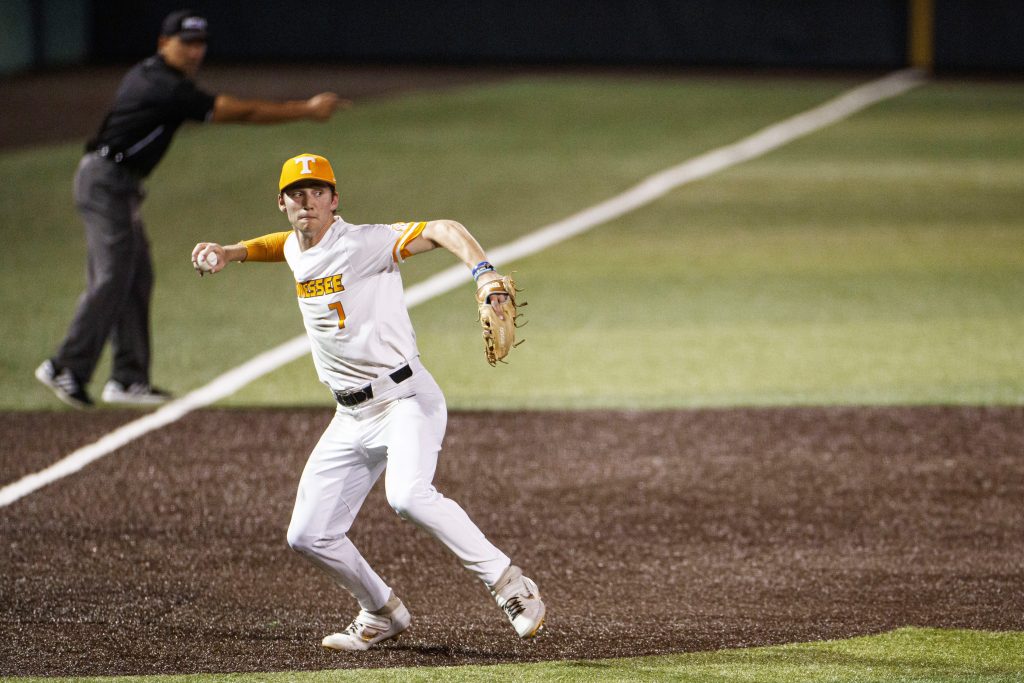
[{"x": 208, "y": 257}]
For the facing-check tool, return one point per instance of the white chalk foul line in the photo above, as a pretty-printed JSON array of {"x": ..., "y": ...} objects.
[
  {"x": 224, "y": 385},
  {"x": 643, "y": 193}
]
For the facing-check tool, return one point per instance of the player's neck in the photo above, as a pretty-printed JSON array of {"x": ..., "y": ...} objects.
[{"x": 311, "y": 238}]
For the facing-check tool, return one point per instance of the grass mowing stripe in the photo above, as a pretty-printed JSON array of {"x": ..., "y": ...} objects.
[{"x": 911, "y": 655}]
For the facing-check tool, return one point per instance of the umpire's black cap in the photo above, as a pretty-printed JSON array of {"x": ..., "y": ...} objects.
[{"x": 185, "y": 24}]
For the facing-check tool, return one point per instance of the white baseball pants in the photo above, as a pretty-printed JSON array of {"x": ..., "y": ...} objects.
[{"x": 399, "y": 432}]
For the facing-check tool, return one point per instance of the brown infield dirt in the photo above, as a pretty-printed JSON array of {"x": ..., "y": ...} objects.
[{"x": 648, "y": 532}]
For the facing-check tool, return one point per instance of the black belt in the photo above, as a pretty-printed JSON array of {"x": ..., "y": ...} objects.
[
  {"x": 119, "y": 159},
  {"x": 354, "y": 397}
]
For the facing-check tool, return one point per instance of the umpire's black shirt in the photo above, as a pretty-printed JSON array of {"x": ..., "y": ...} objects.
[{"x": 152, "y": 101}]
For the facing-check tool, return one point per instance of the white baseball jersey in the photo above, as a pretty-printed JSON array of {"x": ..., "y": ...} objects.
[{"x": 352, "y": 300}]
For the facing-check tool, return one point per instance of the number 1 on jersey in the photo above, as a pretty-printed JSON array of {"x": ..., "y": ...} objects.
[{"x": 337, "y": 307}]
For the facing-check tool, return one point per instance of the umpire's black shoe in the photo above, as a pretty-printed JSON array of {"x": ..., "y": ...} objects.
[
  {"x": 137, "y": 394},
  {"x": 64, "y": 384}
]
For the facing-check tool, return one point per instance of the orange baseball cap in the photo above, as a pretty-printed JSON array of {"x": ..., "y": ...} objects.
[{"x": 306, "y": 167}]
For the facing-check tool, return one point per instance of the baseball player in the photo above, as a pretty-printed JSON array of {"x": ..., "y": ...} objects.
[
  {"x": 154, "y": 99},
  {"x": 391, "y": 414}
]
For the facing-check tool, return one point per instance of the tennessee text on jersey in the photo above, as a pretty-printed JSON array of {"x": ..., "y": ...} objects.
[{"x": 319, "y": 287}]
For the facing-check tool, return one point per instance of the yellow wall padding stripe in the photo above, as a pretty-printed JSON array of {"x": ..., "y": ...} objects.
[{"x": 921, "y": 34}]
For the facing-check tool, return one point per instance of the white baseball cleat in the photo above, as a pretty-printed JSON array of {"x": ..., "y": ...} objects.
[
  {"x": 519, "y": 597},
  {"x": 370, "y": 628}
]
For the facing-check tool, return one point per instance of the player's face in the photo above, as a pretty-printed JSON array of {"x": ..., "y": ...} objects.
[
  {"x": 185, "y": 56},
  {"x": 309, "y": 206}
]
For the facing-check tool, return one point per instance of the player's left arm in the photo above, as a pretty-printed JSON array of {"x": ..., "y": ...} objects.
[
  {"x": 450, "y": 235},
  {"x": 454, "y": 237}
]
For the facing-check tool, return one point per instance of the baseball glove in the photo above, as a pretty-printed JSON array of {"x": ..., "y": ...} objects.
[{"x": 499, "y": 335}]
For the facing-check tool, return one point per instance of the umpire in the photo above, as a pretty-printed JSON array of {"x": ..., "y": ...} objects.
[{"x": 156, "y": 96}]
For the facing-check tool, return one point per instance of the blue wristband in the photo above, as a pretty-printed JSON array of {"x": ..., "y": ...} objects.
[{"x": 481, "y": 268}]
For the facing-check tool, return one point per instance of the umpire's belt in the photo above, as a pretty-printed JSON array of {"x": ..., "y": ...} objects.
[
  {"x": 105, "y": 152},
  {"x": 354, "y": 397}
]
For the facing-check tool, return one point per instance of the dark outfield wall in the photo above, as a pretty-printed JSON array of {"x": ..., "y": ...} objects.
[
  {"x": 969, "y": 34},
  {"x": 985, "y": 35},
  {"x": 865, "y": 33}
]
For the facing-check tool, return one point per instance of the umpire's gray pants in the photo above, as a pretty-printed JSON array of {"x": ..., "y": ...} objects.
[{"x": 119, "y": 280}]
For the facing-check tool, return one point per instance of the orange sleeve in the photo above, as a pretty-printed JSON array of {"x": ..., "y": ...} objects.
[
  {"x": 266, "y": 248},
  {"x": 411, "y": 232}
]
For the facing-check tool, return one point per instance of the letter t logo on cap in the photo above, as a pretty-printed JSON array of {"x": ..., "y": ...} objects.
[{"x": 306, "y": 166}]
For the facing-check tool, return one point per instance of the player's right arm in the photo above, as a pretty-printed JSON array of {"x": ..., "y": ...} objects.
[{"x": 265, "y": 248}]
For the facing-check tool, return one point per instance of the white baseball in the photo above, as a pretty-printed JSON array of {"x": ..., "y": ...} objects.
[{"x": 206, "y": 261}]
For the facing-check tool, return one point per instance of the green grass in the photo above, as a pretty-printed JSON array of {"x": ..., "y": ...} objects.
[
  {"x": 505, "y": 160},
  {"x": 878, "y": 261},
  {"x": 905, "y": 655},
  {"x": 869, "y": 263}
]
